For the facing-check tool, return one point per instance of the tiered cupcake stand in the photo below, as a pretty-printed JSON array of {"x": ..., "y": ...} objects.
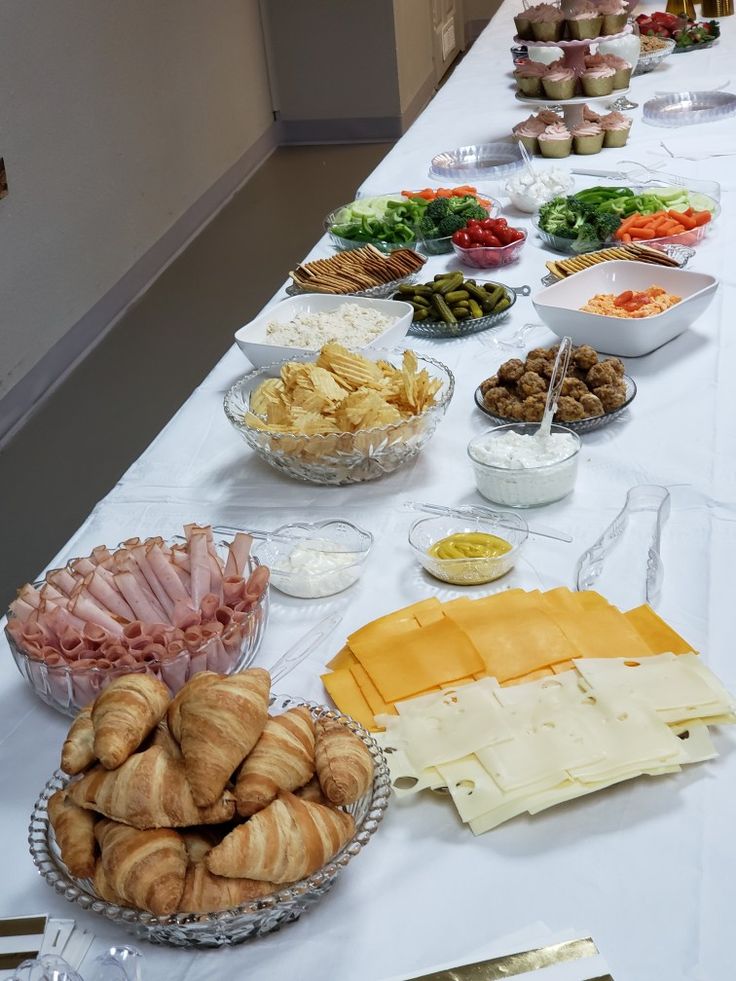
[{"x": 573, "y": 56}]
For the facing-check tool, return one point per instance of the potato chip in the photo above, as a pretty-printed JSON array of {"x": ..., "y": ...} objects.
[
  {"x": 365, "y": 409},
  {"x": 351, "y": 370},
  {"x": 271, "y": 390}
]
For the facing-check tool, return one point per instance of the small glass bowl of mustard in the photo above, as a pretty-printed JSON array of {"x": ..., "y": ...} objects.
[{"x": 469, "y": 551}]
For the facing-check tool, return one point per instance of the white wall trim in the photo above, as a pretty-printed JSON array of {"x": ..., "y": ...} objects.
[{"x": 36, "y": 385}]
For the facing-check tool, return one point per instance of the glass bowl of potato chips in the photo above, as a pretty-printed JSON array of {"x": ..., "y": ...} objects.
[{"x": 341, "y": 418}]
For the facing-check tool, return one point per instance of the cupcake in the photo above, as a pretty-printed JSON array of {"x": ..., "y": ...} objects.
[
  {"x": 590, "y": 115},
  {"x": 547, "y": 22},
  {"x": 614, "y": 16},
  {"x": 597, "y": 81},
  {"x": 583, "y": 20},
  {"x": 622, "y": 78},
  {"x": 559, "y": 82},
  {"x": 588, "y": 138},
  {"x": 528, "y": 77},
  {"x": 523, "y": 27},
  {"x": 528, "y": 131},
  {"x": 555, "y": 141},
  {"x": 615, "y": 128}
]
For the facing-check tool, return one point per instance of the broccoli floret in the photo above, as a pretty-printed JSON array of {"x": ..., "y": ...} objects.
[
  {"x": 474, "y": 211},
  {"x": 558, "y": 217},
  {"x": 438, "y": 209},
  {"x": 427, "y": 227},
  {"x": 452, "y": 223}
]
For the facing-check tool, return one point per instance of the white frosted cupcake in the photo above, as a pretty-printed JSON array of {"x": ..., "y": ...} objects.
[
  {"x": 529, "y": 75},
  {"x": 555, "y": 141},
  {"x": 559, "y": 83},
  {"x": 547, "y": 21},
  {"x": 598, "y": 81},
  {"x": 528, "y": 132},
  {"x": 584, "y": 21},
  {"x": 588, "y": 138},
  {"x": 615, "y": 128}
]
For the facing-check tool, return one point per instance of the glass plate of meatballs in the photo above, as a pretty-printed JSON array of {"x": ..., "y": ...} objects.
[{"x": 595, "y": 390}]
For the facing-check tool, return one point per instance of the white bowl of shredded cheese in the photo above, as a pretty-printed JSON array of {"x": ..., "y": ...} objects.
[{"x": 303, "y": 324}]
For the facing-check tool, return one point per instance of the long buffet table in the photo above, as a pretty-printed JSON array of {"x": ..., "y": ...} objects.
[{"x": 646, "y": 867}]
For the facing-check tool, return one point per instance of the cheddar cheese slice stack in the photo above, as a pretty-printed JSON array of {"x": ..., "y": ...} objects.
[{"x": 514, "y": 637}]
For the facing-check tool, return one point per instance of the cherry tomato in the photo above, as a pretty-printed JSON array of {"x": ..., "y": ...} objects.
[
  {"x": 476, "y": 235},
  {"x": 489, "y": 224},
  {"x": 463, "y": 239},
  {"x": 472, "y": 223},
  {"x": 500, "y": 222},
  {"x": 490, "y": 240}
]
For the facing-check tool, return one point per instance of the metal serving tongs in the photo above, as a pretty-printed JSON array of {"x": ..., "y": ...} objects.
[
  {"x": 307, "y": 539},
  {"x": 484, "y": 514}
]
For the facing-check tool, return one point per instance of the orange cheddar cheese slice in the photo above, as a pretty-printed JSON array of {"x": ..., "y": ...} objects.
[
  {"x": 370, "y": 692},
  {"x": 423, "y": 658},
  {"x": 593, "y": 626},
  {"x": 532, "y": 676},
  {"x": 344, "y": 691},
  {"x": 657, "y": 634},
  {"x": 343, "y": 659}
]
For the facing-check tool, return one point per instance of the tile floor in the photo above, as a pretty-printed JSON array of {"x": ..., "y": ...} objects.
[{"x": 104, "y": 415}]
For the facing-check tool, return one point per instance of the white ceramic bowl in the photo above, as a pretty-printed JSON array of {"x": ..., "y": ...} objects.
[
  {"x": 252, "y": 338},
  {"x": 559, "y": 306}
]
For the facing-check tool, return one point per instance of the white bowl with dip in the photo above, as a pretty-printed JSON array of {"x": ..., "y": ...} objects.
[
  {"x": 322, "y": 558},
  {"x": 253, "y": 338},
  {"x": 516, "y": 468},
  {"x": 559, "y": 306}
]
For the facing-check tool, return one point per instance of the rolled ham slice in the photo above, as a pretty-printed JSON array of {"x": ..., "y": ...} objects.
[
  {"x": 63, "y": 580},
  {"x": 257, "y": 583},
  {"x": 101, "y": 554},
  {"x": 217, "y": 657},
  {"x": 112, "y": 651},
  {"x": 166, "y": 575},
  {"x": 83, "y": 567},
  {"x": 238, "y": 554},
  {"x": 232, "y": 589},
  {"x": 139, "y": 602},
  {"x": 209, "y": 605},
  {"x": 129, "y": 565},
  {"x": 185, "y": 616},
  {"x": 94, "y": 635},
  {"x": 140, "y": 557},
  {"x": 199, "y": 558},
  {"x": 107, "y": 596},
  {"x": 21, "y": 610},
  {"x": 84, "y": 608},
  {"x": 30, "y": 595},
  {"x": 72, "y": 645},
  {"x": 224, "y": 615},
  {"x": 175, "y": 665}
]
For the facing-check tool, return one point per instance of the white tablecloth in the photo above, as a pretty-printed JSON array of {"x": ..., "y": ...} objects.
[{"x": 648, "y": 867}]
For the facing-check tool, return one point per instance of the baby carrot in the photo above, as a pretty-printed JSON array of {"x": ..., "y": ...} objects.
[
  {"x": 683, "y": 219},
  {"x": 701, "y": 217}
]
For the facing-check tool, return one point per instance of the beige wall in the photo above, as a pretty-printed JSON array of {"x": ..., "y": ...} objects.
[
  {"x": 115, "y": 117},
  {"x": 413, "y": 29}
]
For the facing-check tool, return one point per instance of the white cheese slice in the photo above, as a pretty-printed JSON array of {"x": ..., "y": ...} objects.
[{"x": 473, "y": 790}]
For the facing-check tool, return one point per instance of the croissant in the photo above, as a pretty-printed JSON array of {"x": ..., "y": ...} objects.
[
  {"x": 150, "y": 790},
  {"x": 220, "y": 723},
  {"x": 312, "y": 792},
  {"x": 103, "y": 888},
  {"x": 74, "y": 829},
  {"x": 78, "y": 751},
  {"x": 344, "y": 764},
  {"x": 173, "y": 715},
  {"x": 123, "y": 715},
  {"x": 289, "y": 839},
  {"x": 208, "y": 893},
  {"x": 162, "y": 737},
  {"x": 144, "y": 868},
  {"x": 282, "y": 759}
]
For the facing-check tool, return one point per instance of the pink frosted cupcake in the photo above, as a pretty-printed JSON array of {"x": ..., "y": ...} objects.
[
  {"x": 583, "y": 20},
  {"x": 588, "y": 138},
  {"x": 590, "y": 115},
  {"x": 555, "y": 141},
  {"x": 559, "y": 82},
  {"x": 547, "y": 22},
  {"x": 615, "y": 128},
  {"x": 529, "y": 75},
  {"x": 523, "y": 27},
  {"x": 614, "y": 16},
  {"x": 528, "y": 132},
  {"x": 622, "y": 78},
  {"x": 598, "y": 81}
]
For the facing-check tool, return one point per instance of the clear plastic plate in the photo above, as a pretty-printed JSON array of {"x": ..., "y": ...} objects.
[
  {"x": 689, "y": 108},
  {"x": 483, "y": 161}
]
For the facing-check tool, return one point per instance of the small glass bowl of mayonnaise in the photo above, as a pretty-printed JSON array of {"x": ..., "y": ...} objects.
[
  {"x": 469, "y": 551},
  {"x": 316, "y": 559}
]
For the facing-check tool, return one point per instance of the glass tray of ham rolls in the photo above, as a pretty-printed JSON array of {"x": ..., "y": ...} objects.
[{"x": 172, "y": 608}]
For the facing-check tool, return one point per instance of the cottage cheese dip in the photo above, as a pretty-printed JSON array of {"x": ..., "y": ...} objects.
[{"x": 516, "y": 467}]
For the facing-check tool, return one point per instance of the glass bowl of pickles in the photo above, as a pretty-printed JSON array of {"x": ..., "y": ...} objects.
[{"x": 469, "y": 551}]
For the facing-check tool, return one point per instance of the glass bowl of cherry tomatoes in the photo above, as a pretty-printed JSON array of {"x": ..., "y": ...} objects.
[{"x": 488, "y": 243}]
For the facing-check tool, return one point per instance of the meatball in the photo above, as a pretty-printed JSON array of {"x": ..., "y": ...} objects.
[
  {"x": 540, "y": 352},
  {"x": 574, "y": 388},
  {"x": 584, "y": 357},
  {"x": 617, "y": 365},
  {"x": 497, "y": 400},
  {"x": 569, "y": 409},
  {"x": 514, "y": 410},
  {"x": 602, "y": 373},
  {"x": 511, "y": 371},
  {"x": 611, "y": 396},
  {"x": 533, "y": 407},
  {"x": 574, "y": 372},
  {"x": 491, "y": 382},
  {"x": 537, "y": 365},
  {"x": 530, "y": 383},
  {"x": 592, "y": 405}
]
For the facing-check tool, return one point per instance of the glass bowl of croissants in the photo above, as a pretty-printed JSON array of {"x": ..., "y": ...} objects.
[
  {"x": 211, "y": 818},
  {"x": 169, "y": 608}
]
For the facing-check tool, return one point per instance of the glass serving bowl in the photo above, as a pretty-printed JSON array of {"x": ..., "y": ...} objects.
[
  {"x": 68, "y": 688},
  {"x": 488, "y": 256},
  {"x": 576, "y": 425},
  {"x": 233, "y": 926},
  {"x": 468, "y": 571},
  {"x": 438, "y": 328},
  {"x": 340, "y": 458},
  {"x": 352, "y": 543},
  {"x": 526, "y": 487},
  {"x": 648, "y": 61},
  {"x": 567, "y": 246}
]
